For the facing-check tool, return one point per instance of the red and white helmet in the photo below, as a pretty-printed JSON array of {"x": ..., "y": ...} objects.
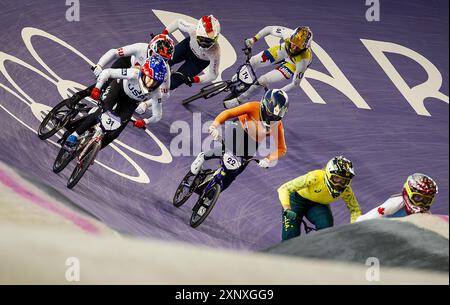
[
  {"x": 162, "y": 45},
  {"x": 208, "y": 31},
  {"x": 419, "y": 192}
]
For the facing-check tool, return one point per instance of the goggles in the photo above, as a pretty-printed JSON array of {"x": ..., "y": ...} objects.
[
  {"x": 206, "y": 42},
  {"x": 418, "y": 199},
  {"x": 339, "y": 181}
]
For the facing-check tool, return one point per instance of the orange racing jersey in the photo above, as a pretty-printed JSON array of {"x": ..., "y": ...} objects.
[{"x": 250, "y": 119}]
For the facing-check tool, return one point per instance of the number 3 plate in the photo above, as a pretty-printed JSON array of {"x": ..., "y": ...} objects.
[{"x": 110, "y": 121}]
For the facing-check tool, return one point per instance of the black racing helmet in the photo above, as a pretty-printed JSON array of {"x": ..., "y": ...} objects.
[{"x": 274, "y": 106}]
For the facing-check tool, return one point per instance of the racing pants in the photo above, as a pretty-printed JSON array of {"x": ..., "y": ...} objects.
[
  {"x": 238, "y": 142},
  {"x": 116, "y": 101},
  {"x": 318, "y": 214},
  {"x": 192, "y": 65},
  {"x": 268, "y": 57}
]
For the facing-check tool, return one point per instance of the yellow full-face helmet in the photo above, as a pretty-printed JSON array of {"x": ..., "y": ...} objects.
[{"x": 301, "y": 37}]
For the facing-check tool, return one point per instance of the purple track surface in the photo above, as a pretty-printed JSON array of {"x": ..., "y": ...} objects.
[{"x": 386, "y": 143}]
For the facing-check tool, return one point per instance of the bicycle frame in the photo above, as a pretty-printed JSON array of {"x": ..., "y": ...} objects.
[{"x": 223, "y": 171}]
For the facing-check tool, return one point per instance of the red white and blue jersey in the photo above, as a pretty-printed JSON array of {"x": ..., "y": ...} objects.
[{"x": 138, "y": 53}]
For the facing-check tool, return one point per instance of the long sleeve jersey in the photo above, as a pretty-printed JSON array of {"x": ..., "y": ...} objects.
[
  {"x": 132, "y": 89},
  {"x": 138, "y": 53},
  {"x": 250, "y": 120},
  {"x": 212, "y": 54},
  {"x": 312, "y": 186},
  {"x": 301, "y": 61},
  {"x": 392, "y": 208}
]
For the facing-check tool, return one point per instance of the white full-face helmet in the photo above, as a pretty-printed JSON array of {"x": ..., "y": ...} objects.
[{"x": 208, "y": 31}]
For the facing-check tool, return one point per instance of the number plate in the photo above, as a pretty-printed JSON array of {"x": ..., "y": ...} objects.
[
  {"x": 230, "y": 161},
  {"x": 110, "y": 121},
  {"x": 245, "y": 75}
]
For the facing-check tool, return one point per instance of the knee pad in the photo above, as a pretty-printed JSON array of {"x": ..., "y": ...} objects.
[{"x": 263, "y": 80}]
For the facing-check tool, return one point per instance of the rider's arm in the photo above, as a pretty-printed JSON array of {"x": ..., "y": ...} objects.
[
  {"x": 179, "y": 24},
  {"x": 131, "y": 73},
  {"x": 113, "y": 54},
  {"x": 278, "y": 31},
  {"x": 352, "y": 204},
  {"x": 300, "y": 70},
  {"x": 232, "y": 113},
  {"x": 156, "y": 111},
  {"x": 281, "y": 144},
  {"x": 292, "y": 186},
  {"x": 389, "y": 207},
  {"x": 213, "y": 70}
]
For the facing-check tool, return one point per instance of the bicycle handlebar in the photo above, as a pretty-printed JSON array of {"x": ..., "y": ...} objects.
[
  {"x": 248, "y": 53},
  {"x": 245, "y": 160}
]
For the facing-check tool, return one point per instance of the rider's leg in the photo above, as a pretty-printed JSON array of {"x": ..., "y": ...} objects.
[
  {"x": 112, "y": 93},
  {"x": 213, "y": 153},
  {"x": 124, "y": 109},
  {"x": 320, "y": 215},
  {"x": 236, "y": 141},
  {"x": 291, "y": 228},
  {"x": 271, "y": 77},
  {"x": 180, "y": 52},
  {"x": 191, "y": 67}
]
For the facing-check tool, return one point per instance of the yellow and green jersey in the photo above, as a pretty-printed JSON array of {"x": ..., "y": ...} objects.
[{"x": 311, "y": 186}]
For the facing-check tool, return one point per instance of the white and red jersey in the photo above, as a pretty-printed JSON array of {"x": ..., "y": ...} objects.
[
  {"x": 138, "y": 53},
  {"x": 212, "y": 54},
  {"x": 392, "y": 208}
]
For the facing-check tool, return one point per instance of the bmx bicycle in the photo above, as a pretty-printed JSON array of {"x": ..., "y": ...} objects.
[
  {"x": 208, "y": 184},
  {"x": 87, "y": 147},
  {"x": 244, "y": 78}
]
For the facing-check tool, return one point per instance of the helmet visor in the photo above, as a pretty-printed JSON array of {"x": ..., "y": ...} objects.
[
  {"x": 421, "y": 200},
  {"x": 340, "y": 181},
  {"x": 205, "y": 42},
  {"x": 149, "y": 83}
]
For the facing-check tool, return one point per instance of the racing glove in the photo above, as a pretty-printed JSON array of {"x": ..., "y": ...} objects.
[
  {"x": 289, "y": 214},
  {"x": 139, "y": 124},
  {"x": 98, "y": 69},
  {"x": 249, "y": 42},
  {"x": 264, "y": 163},
  {"x": 214, "y": 132},
  {"x": 95, "y": 94}
]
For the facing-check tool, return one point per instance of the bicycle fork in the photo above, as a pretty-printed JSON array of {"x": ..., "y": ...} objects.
[{"x": 97, "y": 137}]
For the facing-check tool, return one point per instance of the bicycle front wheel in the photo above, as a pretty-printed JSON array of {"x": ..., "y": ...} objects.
[
  {"x": 204, "y": 205},
  {"x": 64, "y": 157},
  {"x": 83, "y": 164}
]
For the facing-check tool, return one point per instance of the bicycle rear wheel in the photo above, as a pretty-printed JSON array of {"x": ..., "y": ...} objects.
[
  {"x": 207, "y": 92},
  {"x": 83, "y": 164},
  {"x": 54, "y": 120},
  {"x": 204, "y": 205}
]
